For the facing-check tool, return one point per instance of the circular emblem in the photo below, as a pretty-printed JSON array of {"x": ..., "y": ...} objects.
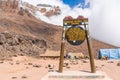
[{"x": 75, "y": 35}]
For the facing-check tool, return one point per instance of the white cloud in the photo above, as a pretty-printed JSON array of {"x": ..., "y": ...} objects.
[
  {"x": 104, "y": 21},
  {"x": 65, "y": 9}
]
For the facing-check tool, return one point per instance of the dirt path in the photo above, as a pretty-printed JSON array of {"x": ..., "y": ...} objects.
[{"x": 25, "y": 68}]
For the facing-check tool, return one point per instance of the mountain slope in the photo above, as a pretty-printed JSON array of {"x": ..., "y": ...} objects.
[{"x": 22, "y": 22}]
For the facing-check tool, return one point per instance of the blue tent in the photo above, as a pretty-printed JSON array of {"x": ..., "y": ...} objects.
[{"x": 109, "y": 53}]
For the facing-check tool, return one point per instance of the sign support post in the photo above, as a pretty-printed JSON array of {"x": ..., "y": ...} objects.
[
  {"x": 62, "y": 52},
  {"x": 92, "y": 64}
]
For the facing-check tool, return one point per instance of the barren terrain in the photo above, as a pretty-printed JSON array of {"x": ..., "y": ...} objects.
[
  {"x": 23, "y": 37},
  {"x": 27, "y": 68}
]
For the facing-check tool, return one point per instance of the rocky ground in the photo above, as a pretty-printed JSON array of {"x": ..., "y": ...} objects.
[
  {"x": 27, "y": 68},
  {"x": 23, "y": 35},
  {"x": 14, "y": 44}
]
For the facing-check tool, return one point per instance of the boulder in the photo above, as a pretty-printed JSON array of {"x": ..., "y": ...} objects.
[
  {"x": 2, "y": 39},
  {"x": 16, "y": 43}
]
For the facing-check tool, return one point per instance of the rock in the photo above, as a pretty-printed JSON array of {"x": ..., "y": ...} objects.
[
  {"x": 43, "y": 10},
  {"x": 11, "y": 63},
  {"x": 98, "y": 67},
  {"x": 110, "y": 62},
  {"x": 46, "y": 67},
  {"x": 37, "y": 65},
  {"x": 25, "y": 45},
  {"x": 1, "y": 62},
  {"x": 84, "y": 61},
  {"x": 27, "y": 67},
  {"x": 24, "y": 76},
  {"x": 82, "y": 56},
  {"x": 65, "y": 64},
  {"x": 16, "y": 48},
  {"x": 51, "y": 66},
  {"x": 51, "y": 71},
  {"x": 68, "y": 67},
  {"x": 104, "y": 58},
  {"x": 21, "y": 54},
  {"x": 14, "y": 55},
  {"x": 13, "y": 41},
  {"x": 49, "y": 13},
  {"x": 30, "y": 63},
  {"x": 87, "y": 57},
  {"x": 17, "y": 62},
  {"x": 118, "y": 64},
  {"x": 21, "y": 12},
  {"x": 14, "y": 77},
  {"x": 102, "y": 65},
  {"x": 77, "y": 57},
  {"x": 2, "y": 39},
  {"x": 7, "y": 35},
  {"x": 68, "y": 56}
]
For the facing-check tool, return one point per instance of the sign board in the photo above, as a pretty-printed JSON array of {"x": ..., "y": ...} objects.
[
  {"x": 72, "y": 22},
  {"x": 75, "y": 35},
  {"x": 75, "y": 22}
]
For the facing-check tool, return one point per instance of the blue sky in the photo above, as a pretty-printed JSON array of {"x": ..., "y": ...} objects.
[{"x": 73, "y": 3}]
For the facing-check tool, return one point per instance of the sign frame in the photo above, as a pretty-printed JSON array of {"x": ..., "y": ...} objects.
[{"x": 81, "y": 21}]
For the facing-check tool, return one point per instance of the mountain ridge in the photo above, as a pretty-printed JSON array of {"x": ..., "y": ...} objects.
[{"x": 22, "y": 22}]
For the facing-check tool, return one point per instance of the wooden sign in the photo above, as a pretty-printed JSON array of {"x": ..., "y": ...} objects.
[{"x": 75, "y": 35}]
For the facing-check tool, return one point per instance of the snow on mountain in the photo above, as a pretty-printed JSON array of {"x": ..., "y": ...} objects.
[{"x": 65, "y": 11}]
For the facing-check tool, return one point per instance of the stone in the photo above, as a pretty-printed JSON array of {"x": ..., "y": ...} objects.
[
  {"x": 2, "y": 39},
  {"x": 102, "y": 65},
  {"x": 1, "y": 62},
  {"x": 51, "y": 71},
  {"x": 14, "y": 55},
  {"x": 77, "y": 57},
  {"x": 84, "y": 61},
  {"x": 27, "y": 67},
  {"x": 7, "y": 35},
  {"x": 104, "y": 58},
  {"x": 17, "y": 44},
  {"x": 118, "y": 64},
  {"x": 68, "y": 67},
  {"x": 17, "y": 62},
  {"x": 43, "y": 10},
  {"x": 14, "y": 77},
  {"x": 51, "y": 66},
  {"x": 82, "y": 56},
  {"x": 65, "y": 64},
  {"x": 87, "y": 57},
  {"x": 37, "y": 65},
  {"x": 11, "y": 63},
  {"x": 24, "y": 76},
  {"x": 16, "y": 48},
  {"x": 21, "y": 54},
  {"x": 110, "y": 62},
  {"x": 30, "y": 63}
]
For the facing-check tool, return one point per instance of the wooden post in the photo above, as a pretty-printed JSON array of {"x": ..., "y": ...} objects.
[
  {"x": 92, "y": 64},
  {"x": 62, "y": 52}
]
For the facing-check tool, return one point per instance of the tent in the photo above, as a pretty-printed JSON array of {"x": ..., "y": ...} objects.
[{"x": 109, "y": 53}]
